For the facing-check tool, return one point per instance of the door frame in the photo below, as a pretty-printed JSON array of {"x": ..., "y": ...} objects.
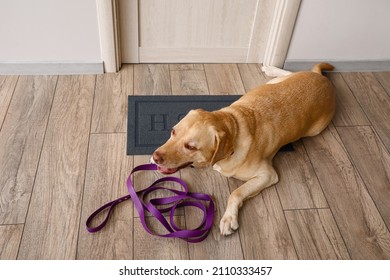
[{"x": 280, "y": 30}]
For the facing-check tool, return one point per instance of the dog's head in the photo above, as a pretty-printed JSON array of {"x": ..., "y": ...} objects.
[{"x": 197, "y": 140}]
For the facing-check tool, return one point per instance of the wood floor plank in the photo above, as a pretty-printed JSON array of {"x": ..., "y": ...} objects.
[
  {"x": 384, "y": 80},
  {"x": 298, "y": 186},
  {"x": 251, "y": 75},
  {"x": 21, "y": 141},
  {"x": 374, "y": 100},
  {"x": 7, "y": 87},
  {"x": 373, "y": 163},
  {"x": 110, "y": 104},
  {"x": 152, "y": 79},
  {"x": 185, "y": 66},
  {"x": 224, "y": 79},
  {"x": 106, "y": 175},
  {"x": 348, "y": 110},
  {"x": 189, "y": 82},
  {"x": 215, "y": 246},
  {"x": 263, "y": 229},
  {"x": 359, "y": 221},
  {"x": 10, "y": 236},
  {"x": 148, "y": 247},
  {"x": 53, "y": 218},
  {"x": 315, "y": 235}
]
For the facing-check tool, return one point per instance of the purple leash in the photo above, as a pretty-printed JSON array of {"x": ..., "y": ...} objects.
[{"x": 178, "y": 200}]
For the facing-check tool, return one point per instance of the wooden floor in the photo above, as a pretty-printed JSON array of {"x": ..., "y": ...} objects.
[{"x": 62, "y": 155}]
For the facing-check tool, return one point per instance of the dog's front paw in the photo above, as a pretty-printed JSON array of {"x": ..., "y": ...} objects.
[{"x": 228, "y": 224}]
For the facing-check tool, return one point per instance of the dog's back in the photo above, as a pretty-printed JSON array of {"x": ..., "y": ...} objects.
[{"x": 300, "y": 105}]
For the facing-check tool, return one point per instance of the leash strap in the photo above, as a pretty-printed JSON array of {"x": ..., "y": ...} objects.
[{"x": 171, "y": 203}]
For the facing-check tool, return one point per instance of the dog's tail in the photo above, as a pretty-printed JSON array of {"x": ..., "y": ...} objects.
[{"x": 318, "y": 68}]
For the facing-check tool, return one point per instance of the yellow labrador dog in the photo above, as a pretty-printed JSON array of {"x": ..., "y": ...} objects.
[{"x": 241, "y": 140}]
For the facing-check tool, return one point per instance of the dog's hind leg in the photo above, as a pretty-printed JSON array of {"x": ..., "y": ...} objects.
[
  {"x": 266, "y": 177},
  {"x": 273, "y": 71}
]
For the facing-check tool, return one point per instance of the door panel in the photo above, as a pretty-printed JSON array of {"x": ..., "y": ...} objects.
[
  {"x": 205, "y": 31},
  {"x": 200, "y": 23},
  {"x": 195, "y": 31}
]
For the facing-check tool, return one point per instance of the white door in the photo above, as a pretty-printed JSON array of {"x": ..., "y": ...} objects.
[
  {"x": 205, "y": 31},
  {"x": 195, "y": 30}
]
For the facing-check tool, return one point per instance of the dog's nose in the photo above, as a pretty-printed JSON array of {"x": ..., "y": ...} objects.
[{"x": 157, "y": 157}]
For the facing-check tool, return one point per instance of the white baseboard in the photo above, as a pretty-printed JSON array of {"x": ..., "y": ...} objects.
[
  {"x": 340, "y": 65},
  {"x": 50, "y": 68}
]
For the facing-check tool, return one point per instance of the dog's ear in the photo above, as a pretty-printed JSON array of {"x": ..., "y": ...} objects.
[{"x": 223, "y": 146}]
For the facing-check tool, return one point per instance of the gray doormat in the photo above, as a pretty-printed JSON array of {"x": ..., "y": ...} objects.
[{"x": 150, "y": 118}]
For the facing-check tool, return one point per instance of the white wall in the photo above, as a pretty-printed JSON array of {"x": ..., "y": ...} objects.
[
  {"x": 341, "y": 30},
  {"x": 49, "y": 31}
]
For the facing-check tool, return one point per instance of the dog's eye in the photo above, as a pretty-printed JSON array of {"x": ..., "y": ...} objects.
[
  {"x": 173, "y": 132},
  {"x": 189, "y": 147}
]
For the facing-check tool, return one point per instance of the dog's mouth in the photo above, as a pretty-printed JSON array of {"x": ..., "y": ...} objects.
[{"x": 167, "y": 171}]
